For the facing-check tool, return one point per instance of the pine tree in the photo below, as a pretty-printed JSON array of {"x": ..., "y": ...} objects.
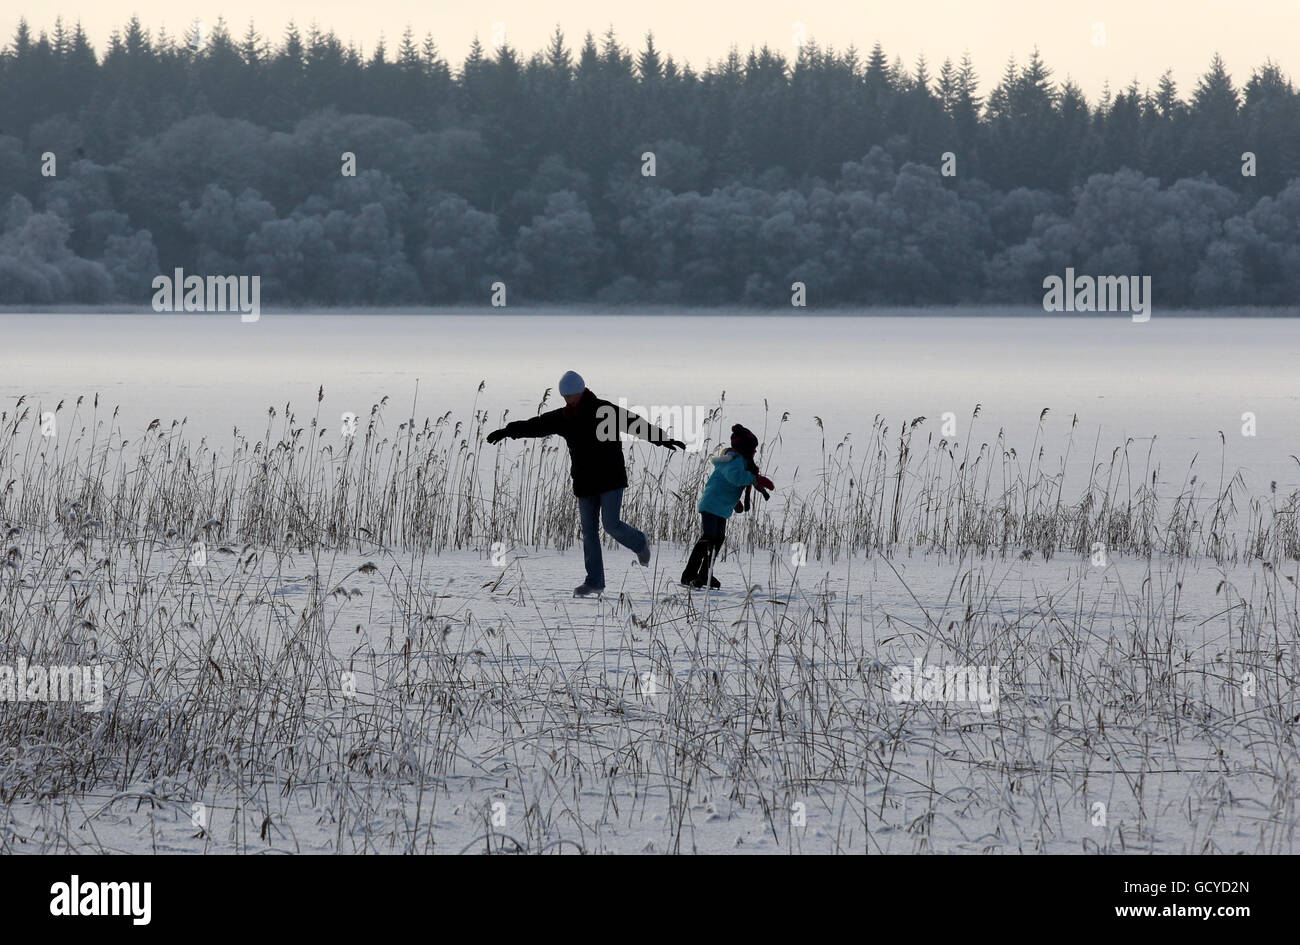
[
  {"x": 1213, "y": 130},
  {"x": 649, "y": 65},
  {"x": 408, "y": 54},
  {"x": 876, "y": 82},
  {"x": 947, "y": 86},
  {"x": 558, "y": 58}
]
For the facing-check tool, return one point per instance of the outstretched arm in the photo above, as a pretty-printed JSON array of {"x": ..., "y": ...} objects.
[
  {"x": 544, "y": 424},
  {"x": 643, "y": 429}
]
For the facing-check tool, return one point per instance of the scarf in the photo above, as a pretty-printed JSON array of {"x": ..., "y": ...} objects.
[{"x": 743, "y": 504}]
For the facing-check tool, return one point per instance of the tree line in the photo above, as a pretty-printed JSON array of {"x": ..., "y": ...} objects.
[{"x": 866, "y": 180}]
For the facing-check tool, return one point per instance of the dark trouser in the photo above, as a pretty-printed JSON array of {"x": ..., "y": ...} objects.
[
  {"x": 699, "y": 567},
  {"x": 606, "y": 506}
]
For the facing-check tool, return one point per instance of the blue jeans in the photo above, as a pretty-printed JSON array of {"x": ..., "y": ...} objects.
[{"x": 605, "y": 506}]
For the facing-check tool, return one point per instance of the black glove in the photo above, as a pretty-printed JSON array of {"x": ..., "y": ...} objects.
[
  {"x": 673, "y": 444},
  {"x": 496, "y": 436}
]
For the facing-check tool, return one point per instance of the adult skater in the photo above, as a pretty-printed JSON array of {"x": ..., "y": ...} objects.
[{"x": 591, "y": 426}]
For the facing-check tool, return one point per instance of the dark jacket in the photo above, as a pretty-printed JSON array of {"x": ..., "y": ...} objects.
[{"x": 591, "y": 429}]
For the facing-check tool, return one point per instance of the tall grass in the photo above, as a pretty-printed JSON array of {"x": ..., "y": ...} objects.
[{"x": 434, "y": 484}]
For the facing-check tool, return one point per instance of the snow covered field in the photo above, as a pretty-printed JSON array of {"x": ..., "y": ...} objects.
[
  {"x": 370, "y": 659},
  {"x": 1138, "y": 709}
]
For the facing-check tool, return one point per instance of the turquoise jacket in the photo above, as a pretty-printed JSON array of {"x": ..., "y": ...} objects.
[{"x": 725, "y": 486}]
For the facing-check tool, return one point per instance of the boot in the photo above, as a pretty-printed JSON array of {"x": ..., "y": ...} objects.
[
  {"x": 706, "y": 567},
  {"x": 700, "y": 563},
  {"x": 699, "y": 556}
]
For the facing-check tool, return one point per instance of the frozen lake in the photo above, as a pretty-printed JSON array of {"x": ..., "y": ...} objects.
[{"x": 1182, "y": 380}]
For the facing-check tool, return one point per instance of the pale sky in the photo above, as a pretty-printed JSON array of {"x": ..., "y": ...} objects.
[{"x": 1141, "y": 37}]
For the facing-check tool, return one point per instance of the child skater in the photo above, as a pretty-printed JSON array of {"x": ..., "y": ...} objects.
[{"x": 734, "y": 473}]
